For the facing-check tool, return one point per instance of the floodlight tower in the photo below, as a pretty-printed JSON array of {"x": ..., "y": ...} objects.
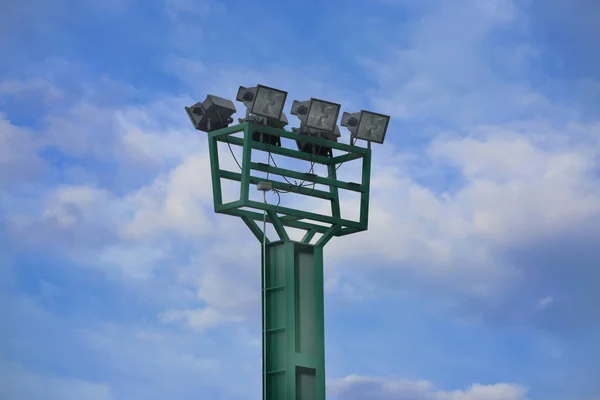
[{"x": 292, "y": 271}]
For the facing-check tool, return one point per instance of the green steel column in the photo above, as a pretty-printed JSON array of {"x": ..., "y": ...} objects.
[{"x": 294, "y": 338}]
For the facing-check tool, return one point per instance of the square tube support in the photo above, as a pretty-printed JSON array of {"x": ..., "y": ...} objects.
[
  {"x": 290, "y": 217},
  {"x": 294, "y": 335}
]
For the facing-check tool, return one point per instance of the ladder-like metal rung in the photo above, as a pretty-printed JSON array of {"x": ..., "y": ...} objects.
[
  {"x": 275, "y": 330},
  {"x": 275, "y": 288},
  {"x": 277, "y": 372}
]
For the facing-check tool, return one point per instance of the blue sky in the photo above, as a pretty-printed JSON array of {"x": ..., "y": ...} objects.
[{"x": 478, "y": 277}]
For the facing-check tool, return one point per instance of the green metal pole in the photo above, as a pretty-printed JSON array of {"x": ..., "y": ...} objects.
[
  {"x": 292, "y": 273},
  {"x": 294, "y": 337}
]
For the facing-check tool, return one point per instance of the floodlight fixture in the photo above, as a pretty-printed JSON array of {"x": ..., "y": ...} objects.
[
  {"x": 366, "y": 125},
  {"x": 273, "y": 140},
  {"x": 318, "y": 118},
  {"x": 316, "y": 149},
  {"x": 263, "y": 101},
  {"x": 264, "y": 106},
  {"x": 317, "y": 114},
  {"x": 211, "y": 114}
]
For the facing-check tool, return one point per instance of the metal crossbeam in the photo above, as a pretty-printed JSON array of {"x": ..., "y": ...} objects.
[{"x": 280, "y": 216}]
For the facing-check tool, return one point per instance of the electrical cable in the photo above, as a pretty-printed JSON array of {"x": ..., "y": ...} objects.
[
  {"x": 297, "y": 185},
  {"x": 274, "y": 163},
  {"x": 296, "y": 182},
  {"x": 310, "y": 170},
  {"x": 277, "y": 192},
  {"x": 264, "y": 241},
  {"x": 231, "y": 150}
]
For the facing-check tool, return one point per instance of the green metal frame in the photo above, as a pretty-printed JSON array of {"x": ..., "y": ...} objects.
[
  {"x": 292, "y": 290},
  {"x": 279, "y": 216},
  {"x": 294, "y": 337}
]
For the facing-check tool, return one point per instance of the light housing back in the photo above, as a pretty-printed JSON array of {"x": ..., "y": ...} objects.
[{"x": 211, "y": 114}]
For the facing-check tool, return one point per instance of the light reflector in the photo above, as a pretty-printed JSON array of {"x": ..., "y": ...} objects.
[
  {"x": 366, "y": 125},
  {"x": 263, "y": 101},
  {"x": 317, "y": 114}
]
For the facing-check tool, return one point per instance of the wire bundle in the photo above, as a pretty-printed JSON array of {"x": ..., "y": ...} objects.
[{"x": 296, "y": 185}]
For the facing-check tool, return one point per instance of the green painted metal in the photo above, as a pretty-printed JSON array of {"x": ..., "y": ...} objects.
[
  {"x": 319, "y": 318},
  {"x": 218, "y": 134},
  {"x": 293, "y": 291},
  {"x": 291, "y": 218},
  {"x": 227, "y": 131},
  {"x": 216, "y": 180},
  {"x": 304, "y": 214},
  {"x": 294, "y": 335},
  {"x": 308, "y": 236},
  {"x": 221, "y": 208},
  {"x": 246, "y": 161},
  {"x": 278, "y": 185},
  {"x": 310, "y": 139},
  {"x": 327, "y": 236},
  {"x": 345, "y": 158},
  {"x": 366, "y": 184},
  {"x": 259, "y": 217},
  {"x": 347, "y": 231},
  {"x": 255, "y": 229},
  {"x": 277, "y": 150},
  {"x": 279, "y": 228},
  {"x": 333, "y": 190},
  {"x": 329, "y": 181}
]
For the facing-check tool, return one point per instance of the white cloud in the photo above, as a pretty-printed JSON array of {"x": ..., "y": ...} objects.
[
  {"x": 160, "y": 363},
  {"x": 18, "y": 154},
  {"x": 38, "y": 87},
  {"x": 355, "y": 387},
  {"x": 226, "y": 281},
  {"x": 545, "y": 302},
  {"x": 199, "y": 319},
  {"x": 21, "y": 384},
  {"x": 227, "y": 294},
  {"x": 497, "y": 10},
  {"x": 123, "y": 233},
  {"x": 300, "y": 82},
  {"x": 519, "y": 184},
  {"x": 137, "y": 261},
  {"x": 219, "y": 290},
  {"x": 175, "y": 8},
  {"x": 521, "y": 187},
  {"x": 520, "y": 181},
  {"x": 69, "y": 205},
  {"x": 451, "y": 71},
  {"x": 130, "y": 234},
  {"x": 515, "y": 187},
  {"x": 156, "y": 147},
  {"x": 173, "y": 203},
  {"x": 155, "y": 132},
  {"x": 136, "y": 359}
]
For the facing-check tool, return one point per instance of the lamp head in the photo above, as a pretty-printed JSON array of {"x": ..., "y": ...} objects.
[
  {"x": 317, "y": 114},
  {"x": 366, "y": 125},
  {"x": 211, "y": 114},
  {"x": 263, "y": 101}
]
